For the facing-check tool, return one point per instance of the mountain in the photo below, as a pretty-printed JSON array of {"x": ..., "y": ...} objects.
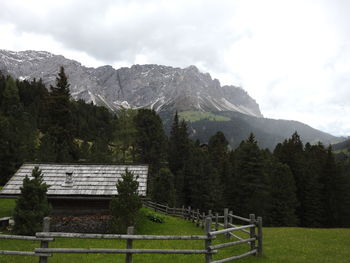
[
  {"x": 157, "y": 87},
  {"x": 201, "y": 100}
]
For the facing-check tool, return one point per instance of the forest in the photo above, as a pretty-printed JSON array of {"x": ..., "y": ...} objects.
[{"x": 296, "y": 184}]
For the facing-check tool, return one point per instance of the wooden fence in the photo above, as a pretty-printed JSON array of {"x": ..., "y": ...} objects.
[{"x": 222, "y": 226}]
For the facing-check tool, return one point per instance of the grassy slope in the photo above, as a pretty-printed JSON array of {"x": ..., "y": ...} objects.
[
  {"x": 192, "y": 116},
  {"x": 287, "y": 245}
]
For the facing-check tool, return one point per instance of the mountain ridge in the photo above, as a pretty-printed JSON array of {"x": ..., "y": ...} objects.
[
  {"x": 165, "y": 89},
  {"x": 140, "y": 86}
]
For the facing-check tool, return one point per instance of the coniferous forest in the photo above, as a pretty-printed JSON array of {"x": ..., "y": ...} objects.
[{"x": 298, "y": 184}]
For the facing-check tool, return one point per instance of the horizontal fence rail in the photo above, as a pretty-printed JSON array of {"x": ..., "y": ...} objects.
[
  {"x": 212, "y": 223},
  {"x": 24, "y": 238},
  {"x": 223, "y": 221}
]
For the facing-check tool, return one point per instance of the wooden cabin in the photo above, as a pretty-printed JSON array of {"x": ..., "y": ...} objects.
[{"x": 78, "y": 189}]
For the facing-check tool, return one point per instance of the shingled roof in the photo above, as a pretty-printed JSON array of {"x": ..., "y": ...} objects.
[{"x": 85, "y": 179}]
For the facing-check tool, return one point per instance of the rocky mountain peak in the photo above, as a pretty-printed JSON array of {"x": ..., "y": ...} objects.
[{"x": 140, "y": 86}]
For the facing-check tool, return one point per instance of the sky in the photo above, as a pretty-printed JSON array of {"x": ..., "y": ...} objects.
[{"x": 291, "y": 56}]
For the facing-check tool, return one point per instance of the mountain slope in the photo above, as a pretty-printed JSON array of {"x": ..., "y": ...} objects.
[
  {"x": 157, "y": 87},
  {"x": 166, "y": 90}
]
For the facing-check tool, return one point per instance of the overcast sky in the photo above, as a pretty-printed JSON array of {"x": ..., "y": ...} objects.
[{"x": 292, "y": 56}]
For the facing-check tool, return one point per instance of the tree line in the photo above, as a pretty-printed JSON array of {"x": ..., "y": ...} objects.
[{"x": 294, "y": 185}]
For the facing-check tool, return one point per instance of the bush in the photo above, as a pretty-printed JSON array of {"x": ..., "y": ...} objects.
[
  {"x": 32, "y": 205},
  {"x": 154, "y": 217},
  {"x": 126, "y": 205}
]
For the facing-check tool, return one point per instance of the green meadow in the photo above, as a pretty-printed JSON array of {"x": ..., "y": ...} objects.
[{"x": 287, "y": 245}]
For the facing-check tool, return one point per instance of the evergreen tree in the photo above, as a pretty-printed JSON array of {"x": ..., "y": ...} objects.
[
  {"x": 32, "y": 205},
  {"x": 249, "y": 194},
  {"x": 201, "y": 181},
  {"x": 304, "y": 165},
  {"x": 219, "y": 155},
  {"x": 178, "y": 155},
  {"x": 163, "y": 188},
  {"x": 125, "y": 134},
  {"x": 282, "y": 195},
  {"x": 100, "y": 152},
  {"x": 60, "y": 124},
  {"x": 85, "y": 151},
  {"x": 150, "y": 142},
  {"x": 331, "y": 185},
  {"x": 17, "y": 131},
  {"x": 126, "y": 205}
]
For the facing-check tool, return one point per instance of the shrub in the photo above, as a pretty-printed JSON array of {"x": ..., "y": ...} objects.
[
  {"x": 126, "y": 205},
  {"x": 32, "y": 205}
]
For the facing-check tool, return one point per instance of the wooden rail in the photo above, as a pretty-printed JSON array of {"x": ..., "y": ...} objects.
[
  {"x": 225, "y": 222},
  {"x": 129, "y": 238},
  {"x": 213, "y": 224}
]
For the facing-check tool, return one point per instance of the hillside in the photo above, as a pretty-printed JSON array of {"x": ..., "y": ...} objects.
[
  {"x": 237, "y": 127},
  {"x": 201, "y": 100}
]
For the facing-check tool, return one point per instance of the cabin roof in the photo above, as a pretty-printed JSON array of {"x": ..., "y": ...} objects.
[{"x": 86, "y": 180}]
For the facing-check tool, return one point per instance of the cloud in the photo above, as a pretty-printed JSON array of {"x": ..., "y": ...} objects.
[{"x": 293, "y": 57}]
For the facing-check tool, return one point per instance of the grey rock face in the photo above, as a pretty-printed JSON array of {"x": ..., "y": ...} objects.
[{"x": 140, "y": 86}]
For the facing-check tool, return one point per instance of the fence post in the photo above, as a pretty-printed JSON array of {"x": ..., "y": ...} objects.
[
  {"x": 216, "y": 221},
  {"x": 203, "y": 219},
  {"x": 45, "y": 244},
  {"x": 260, "y": 244},
  {"x": 252, "y": 231},
  {"x": 189, "y": 213},
  {"x": 226, "y": 220},
  {"x": 230, "y": 219},
  {"x": 166, "y": 209},
  {"x": 128, "y": 258},
  {"x": 183, "y": 211},
  {"x": 208, "y": 255},
  {"x": 197, "y": 223}
]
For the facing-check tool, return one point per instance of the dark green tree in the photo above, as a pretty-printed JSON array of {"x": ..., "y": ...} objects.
[
  {"x": 100, "y": 152},
  {"x": 305, "y": 166},
  {"x": 126, "y": 205},
  {"x": 219, "y": 155},
  {"x": 60, "y": 120},
  {"x": 282, "y": 195},
  {"x": 178, "y": 155},
  {"x": 163, "y": 187},
  {"x": 249, "y": 193},
  {"x": 32, "y": 205},
  {"x": 201, "y": 181},
  {"x": 125, "y": 135},
  {"x": 150, "y": 142}
]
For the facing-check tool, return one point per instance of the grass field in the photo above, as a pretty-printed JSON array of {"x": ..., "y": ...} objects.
[
  {"x": 287, "y": 245},
  {"x": 192, "y": 116}
]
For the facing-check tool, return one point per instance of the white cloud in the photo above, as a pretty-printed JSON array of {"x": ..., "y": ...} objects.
[{"x": 292, "y": 56}]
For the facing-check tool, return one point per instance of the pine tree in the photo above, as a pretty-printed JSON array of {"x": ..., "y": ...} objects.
[
  {"x": 126, "y": 205},
  {"x": 125, "y": 134},
  {"x": 304, "y": 165},
  {"x": 100, "y": 152},
  {"x": 32, "y": 205},
  {"x": 282, "y": 195},
  {"x": 60, "y": 123},
  {"x": 178, "y": 155},
  {"x": 250, "y": 189},
  {"x": 201, "y": 184},
  {"x": 219, "y": 155},
  {"x": 150, "y": 142},
  {"x": 163, "y": 188}
]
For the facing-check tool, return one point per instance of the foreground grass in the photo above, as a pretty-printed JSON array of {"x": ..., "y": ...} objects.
[
  {"x": 287, "y": 245},
  {"x": 6, "y": 206}
]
